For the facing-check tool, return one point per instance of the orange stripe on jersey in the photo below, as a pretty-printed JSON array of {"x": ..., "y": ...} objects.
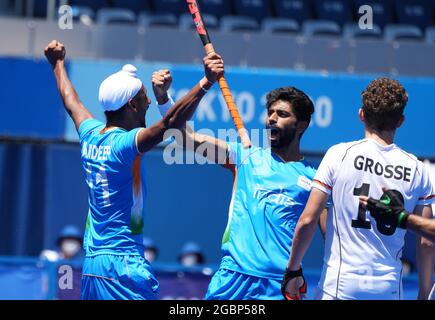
[
  {"x": 322, "y": 184},
  {"x": 137, "y": 182}
]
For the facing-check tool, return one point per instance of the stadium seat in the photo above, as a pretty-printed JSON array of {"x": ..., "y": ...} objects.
[
  {"x": 176, "y": 7},
  {"x": 320, "y": 27},
  {"x": 394, "y": 32},
  {"x": 217, "y": 8},
  {"x": 236, "y": 23},
  {"x": 80, "y": 11},
  {"x": 93, "y": 4},
  {"x": 298, "y": 10},
  {"x": 382, "y": 10},
  {"x": 152, "y": 20},
  {"x": 414, "y": 12},
  {"x": 256, "y": 9},
  {"x": 186, "y": 21},
  {"x": 115, "y": 15},
  {"x": 352, "y": 31},
  {"x": 430, "y": 35},
  {"x": 40, "y": 8},
  {"x": 133, "y": 5},
  {"x": 279, "y": 25},
  {"x": 334, "y": 10}
]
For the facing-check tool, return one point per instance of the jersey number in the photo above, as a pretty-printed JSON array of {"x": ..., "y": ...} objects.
[
  {"x": 98, "y": 179},
  {"x": 361, "y": 221}
]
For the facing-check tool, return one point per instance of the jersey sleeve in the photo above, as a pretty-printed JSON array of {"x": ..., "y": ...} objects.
[
  {"x": 124, "y": 145},
  {"x": 427, "y": 192},
  {"x": 325, "y": 176},
  {"x": 87, "y": 126}
]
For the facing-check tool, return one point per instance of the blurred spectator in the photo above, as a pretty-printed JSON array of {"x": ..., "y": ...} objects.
[
  {"x": 69, "y": 243},
  {"x": 150, "y": 252},
  {"x": 191, "y": 254}
]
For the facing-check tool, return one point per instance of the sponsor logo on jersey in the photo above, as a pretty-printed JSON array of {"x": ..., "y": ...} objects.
[{"x": 274, "y": 196}]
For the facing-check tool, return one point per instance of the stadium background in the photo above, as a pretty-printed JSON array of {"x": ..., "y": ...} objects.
[{"x": 313, "y": 45}]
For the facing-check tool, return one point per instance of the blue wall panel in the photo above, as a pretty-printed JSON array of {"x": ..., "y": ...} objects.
[{"x": 30, "y": 104}]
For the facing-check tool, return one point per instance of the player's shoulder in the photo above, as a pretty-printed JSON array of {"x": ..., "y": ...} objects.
[
  {"x": 339, "y": 151},
  {"x": 88, "y": 126},
  {"x": 90, "y": 123},
  {"x": 408, "y": 158},
  {"x": 345, "y": 146},
  {"x": 406, "y": 154}
]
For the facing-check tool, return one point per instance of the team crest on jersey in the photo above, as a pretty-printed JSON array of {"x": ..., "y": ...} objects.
[{"x": 304, "y": 183}]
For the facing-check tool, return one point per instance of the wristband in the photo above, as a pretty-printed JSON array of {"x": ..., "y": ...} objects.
[
  {"x": 202, "y": 88},
  {"x": 202, "y": 84},
  {"x": 163, "y": 108},
  {"x": 403, "y": 218}
]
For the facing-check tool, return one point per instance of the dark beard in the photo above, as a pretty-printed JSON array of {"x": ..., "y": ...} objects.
[{"x": 286, "y": 137}]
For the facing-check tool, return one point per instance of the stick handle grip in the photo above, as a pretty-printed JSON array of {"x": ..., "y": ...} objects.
[{"x": 246, "y": 142}]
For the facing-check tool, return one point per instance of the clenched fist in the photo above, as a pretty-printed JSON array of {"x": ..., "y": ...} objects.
[
  {"x": 55, "y": 51},
  {"x": 161, "y": 80}
]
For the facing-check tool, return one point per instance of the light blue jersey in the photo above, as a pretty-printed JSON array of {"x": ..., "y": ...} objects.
[
  {"x": 114, "y": 267},
  {"x": 268, "y": 198},
  {"x": 112, "y": 165}
]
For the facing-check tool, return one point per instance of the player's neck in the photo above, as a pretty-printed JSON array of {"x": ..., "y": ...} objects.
[
  {"x": 289, "y": 153},
  {"x": 384, "y": 138},
  {"x": 118, "y": 124}
]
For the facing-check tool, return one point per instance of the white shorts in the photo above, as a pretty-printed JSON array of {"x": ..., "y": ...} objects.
[{"x": 322, "y": 295}]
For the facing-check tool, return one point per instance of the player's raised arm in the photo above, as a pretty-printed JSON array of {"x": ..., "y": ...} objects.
[
  {"x": 209, "y": 147},
  {"x": 55, "y": 53}
]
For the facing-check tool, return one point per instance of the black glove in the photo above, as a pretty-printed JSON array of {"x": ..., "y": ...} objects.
[
  {"x": 288, "y": 275},
  {"x": 388, "y": 211}
]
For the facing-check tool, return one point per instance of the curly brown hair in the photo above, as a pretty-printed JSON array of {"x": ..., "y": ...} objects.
[{"x": 384, "y": 101}]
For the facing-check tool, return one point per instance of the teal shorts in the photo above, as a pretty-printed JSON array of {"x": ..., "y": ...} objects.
[
  {"x": 118, "y": 277},
  {"x": 232, "y": 285}
]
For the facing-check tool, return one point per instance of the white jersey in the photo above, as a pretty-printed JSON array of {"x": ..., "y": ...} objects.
[{"x": 362, "y": 259}]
